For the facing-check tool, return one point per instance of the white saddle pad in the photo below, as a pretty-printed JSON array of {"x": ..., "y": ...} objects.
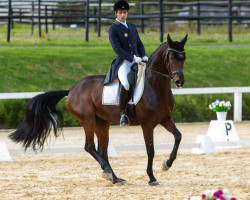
[{"x": 110, "y": 94}]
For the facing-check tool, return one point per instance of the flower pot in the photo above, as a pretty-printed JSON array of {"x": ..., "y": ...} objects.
[{"x": 221, "y": 116}]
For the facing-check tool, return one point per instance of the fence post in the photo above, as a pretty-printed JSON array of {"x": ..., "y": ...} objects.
[
  {"x": 87, "y": 22},
  {"x": 230, "y": 36},
  {"x": 161, "y": 21},
  {"x": 39, "y": 18},
  {"x": 99, "y": 18},
  {"x": 32, "y": 19},
  {"x": 142, "y": 20},
  {"x": 198, "y": 14},
  {"x": 46, "y": 18},
  {"x": 9, "y": 20},
  {"x": 238, "y": 106}
]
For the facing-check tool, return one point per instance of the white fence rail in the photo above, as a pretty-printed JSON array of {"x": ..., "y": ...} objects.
[{"x": 237, "y": 91}]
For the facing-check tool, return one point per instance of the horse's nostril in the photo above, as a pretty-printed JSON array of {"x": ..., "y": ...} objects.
[{"x": 177, "y": 82}]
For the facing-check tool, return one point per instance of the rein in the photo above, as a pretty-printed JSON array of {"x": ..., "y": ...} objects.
[
  {"x": 159, "y": 73},
  {"x": 171, "y": 74}
]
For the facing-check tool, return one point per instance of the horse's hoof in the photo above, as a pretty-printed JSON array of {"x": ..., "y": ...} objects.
[
  {"x": 155, "y": 183},
  {"x": 120, "y": 181},
  {"x": 164, "y": 166},
  {"x": 107, "y": 176}
]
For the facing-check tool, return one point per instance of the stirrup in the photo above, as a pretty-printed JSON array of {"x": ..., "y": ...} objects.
[{"x": 124, "y": 121}]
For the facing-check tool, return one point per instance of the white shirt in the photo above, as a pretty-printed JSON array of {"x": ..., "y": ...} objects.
[{"x": 123, "y": 23}]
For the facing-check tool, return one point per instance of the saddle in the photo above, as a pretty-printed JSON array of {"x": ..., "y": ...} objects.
[
  {"x": 111, "y": 92},
  {"x": 134, "y": 77}
]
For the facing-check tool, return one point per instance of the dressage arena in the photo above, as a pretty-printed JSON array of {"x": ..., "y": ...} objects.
[{"x": 79, "y": 176}]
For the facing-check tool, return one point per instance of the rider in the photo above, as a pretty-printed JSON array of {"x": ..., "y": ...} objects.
[{"x": 128, "y": 46}]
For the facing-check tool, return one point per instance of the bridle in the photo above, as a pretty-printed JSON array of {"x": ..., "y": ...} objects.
[{"x": 171, "y": 74}]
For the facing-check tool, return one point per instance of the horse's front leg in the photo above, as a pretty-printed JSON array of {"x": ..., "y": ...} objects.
[
  {"x": 149, "y": 141},
  {"x": 170, "y": 126}
]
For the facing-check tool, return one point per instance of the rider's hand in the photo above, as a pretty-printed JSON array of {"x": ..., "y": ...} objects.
[
  {"x": 137, "y": 59},
  {"x": 145, "y": 58}
]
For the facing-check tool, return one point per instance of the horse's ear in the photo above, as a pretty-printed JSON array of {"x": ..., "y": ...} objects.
[
  {"x": 184, "y": 40},
  {"x": 170, "y": 41}
]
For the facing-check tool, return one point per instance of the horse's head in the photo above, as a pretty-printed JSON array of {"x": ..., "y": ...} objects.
[{"x": 175, "y": 58}]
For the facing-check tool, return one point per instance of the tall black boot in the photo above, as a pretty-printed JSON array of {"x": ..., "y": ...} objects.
[{"x": 124, "y": 121}]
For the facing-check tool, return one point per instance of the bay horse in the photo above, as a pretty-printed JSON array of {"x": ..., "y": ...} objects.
[{"x": 84, "y": 102}]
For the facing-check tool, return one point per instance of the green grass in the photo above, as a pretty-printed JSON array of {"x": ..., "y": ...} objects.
[
  {"x": 32, "y": 69},
  {"x": 222, "y": 67},
  {"x": 47, "y": 68}
]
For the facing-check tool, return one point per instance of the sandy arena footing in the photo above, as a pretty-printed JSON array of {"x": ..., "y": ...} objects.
[{"x": 79, "y": 176}]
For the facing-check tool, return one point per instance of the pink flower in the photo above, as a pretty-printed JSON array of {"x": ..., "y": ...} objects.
[
  {"x": 218, "y": 193},
  {"x": 203, "y": 196},
  {"x": 222, "y": 198},
  {"x": 233, "y": 198}
]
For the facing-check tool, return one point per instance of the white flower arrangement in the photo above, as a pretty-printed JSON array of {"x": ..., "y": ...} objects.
[{"x": 220, "y": 106}]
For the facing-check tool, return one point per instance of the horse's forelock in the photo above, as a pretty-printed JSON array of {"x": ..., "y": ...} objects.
[
  {"x": 178, "y": 46},
  {"x": 180, "y": 56}
]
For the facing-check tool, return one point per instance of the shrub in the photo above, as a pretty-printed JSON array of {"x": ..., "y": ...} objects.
[{"x": 11, "y": 112}]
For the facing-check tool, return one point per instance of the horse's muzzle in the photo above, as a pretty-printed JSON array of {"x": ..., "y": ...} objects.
[{"x": 179, "y": 80}]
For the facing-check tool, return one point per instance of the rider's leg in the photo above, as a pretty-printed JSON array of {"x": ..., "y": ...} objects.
[
  {"x": 124, "y": 121},
  {"x": 123, "y": 71}
]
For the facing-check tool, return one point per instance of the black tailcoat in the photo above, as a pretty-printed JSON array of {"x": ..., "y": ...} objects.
[{"x": 126, "y": 43}]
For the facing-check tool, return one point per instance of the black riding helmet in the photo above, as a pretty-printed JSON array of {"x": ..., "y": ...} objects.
[{"x": 121, "y": 5}]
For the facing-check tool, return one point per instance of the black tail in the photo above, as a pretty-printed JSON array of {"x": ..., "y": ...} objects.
[{"x": 40, "y": 116}]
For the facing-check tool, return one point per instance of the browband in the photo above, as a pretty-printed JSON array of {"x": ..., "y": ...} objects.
[{"x": 170, "y": 49}]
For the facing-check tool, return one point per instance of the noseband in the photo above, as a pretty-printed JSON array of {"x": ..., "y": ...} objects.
[{"x": 171, "y": 74}]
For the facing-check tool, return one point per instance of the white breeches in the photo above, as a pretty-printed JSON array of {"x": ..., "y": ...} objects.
[{"x": 123, "y": 71}]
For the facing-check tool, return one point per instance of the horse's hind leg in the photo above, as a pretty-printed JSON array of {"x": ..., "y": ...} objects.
[
  {"x": 102, "y": 133},
  {"x": 170, "y": 126},
  {"x": 89, "y": 128}
]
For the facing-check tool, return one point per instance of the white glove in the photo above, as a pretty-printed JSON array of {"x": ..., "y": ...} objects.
[
  {"x": 145, "y": 58},
  {"x": 137, "y": 59}
]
